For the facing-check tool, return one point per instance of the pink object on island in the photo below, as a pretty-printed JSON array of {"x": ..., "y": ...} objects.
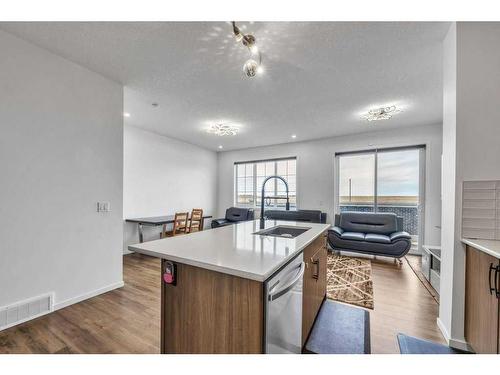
[{"x": 168, "y": 278}]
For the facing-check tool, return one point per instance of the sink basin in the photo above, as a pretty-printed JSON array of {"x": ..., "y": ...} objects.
[{"x": 285, "y": 231}]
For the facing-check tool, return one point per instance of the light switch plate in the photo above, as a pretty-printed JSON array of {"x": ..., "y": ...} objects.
[{"x": 103, "y": 207}]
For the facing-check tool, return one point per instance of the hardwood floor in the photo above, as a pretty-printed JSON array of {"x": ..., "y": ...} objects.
[
  {"x": 127, "y": 320},
  {"x": 402, "y": 305}
]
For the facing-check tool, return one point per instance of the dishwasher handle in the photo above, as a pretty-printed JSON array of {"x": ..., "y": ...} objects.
[{"x": 277, "y": 294}]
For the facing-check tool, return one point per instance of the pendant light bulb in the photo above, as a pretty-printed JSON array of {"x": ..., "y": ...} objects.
[{"x": 250, "y": 68}]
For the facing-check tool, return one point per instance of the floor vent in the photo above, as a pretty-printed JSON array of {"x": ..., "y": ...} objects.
[{"x": 25, "y": 310}]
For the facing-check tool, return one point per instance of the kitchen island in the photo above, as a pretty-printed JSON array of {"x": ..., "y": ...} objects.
[{"x": 225, "y": 282}]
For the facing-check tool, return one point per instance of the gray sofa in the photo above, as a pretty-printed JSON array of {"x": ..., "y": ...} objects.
[
  {"x": 311, "y": 216},
  {"x": 370, "y": 233},
  {"x": 234, "y": 215}
]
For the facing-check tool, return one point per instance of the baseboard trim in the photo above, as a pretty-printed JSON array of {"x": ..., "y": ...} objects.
[
  {"x": 82, "y": 297},
  {"x": 443, "y": 329},
  {"x": 454, "y": 343},
  {"x": 460, "y": 344}
]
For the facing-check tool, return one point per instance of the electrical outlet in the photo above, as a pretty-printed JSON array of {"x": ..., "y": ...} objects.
[{"x": 103, "y": 207}]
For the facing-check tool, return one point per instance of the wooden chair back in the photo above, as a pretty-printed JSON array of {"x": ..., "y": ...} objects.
[
  {"x": 196, "y": 222},
  {"x": 181, "y": 225}
]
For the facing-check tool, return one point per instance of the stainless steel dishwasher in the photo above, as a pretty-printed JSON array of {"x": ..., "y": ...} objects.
[{"x": 283, "y": 332}]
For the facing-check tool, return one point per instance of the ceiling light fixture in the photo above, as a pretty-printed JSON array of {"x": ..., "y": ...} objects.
[
  {"x": 220, "y": 147},
  {"x": 251, "y": 66},
  {"x": 383, "y": 113},
  {"x": 126, "y": 114},
  {"x": 294, "y": 136},
  {"x": 223, "y": 130}
]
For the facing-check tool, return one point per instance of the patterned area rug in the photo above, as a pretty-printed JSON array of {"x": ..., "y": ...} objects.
[{"x": 349, "y": 280}]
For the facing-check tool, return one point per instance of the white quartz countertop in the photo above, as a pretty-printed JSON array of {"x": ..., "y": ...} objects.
[
  {"x": 234, "y": 249},
  {"x": 491, "y": 247}
]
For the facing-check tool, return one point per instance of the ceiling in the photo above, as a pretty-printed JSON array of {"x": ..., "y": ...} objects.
[{"x": 319, "y": 77}]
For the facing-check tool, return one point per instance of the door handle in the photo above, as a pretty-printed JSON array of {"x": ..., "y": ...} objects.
[
  {"x": 316, "y": 274},
  {"x": 497, "y": 292},
  {"x": 495, "y": 280},
  {"x": 277, "y": 294}
]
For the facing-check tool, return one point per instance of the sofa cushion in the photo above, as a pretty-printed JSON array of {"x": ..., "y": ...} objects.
[
  {"x": 399, "y": 235},
  {"x": 393, "y": 249},
  {"x": 364, "y": 222},
  {"x": 338, "y": 231},
  {"x": 380, "y": 238},
  {"x": 312, "y": 216},
  {"x": 237, "y": 214},
  {"x": 356, "y": 236}
]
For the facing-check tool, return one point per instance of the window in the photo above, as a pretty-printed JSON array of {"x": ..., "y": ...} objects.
[
  {"x": 249, "y": 177},
  {"x": 384, "y": 180}
]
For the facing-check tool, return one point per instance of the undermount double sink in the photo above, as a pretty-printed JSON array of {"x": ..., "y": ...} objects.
[{"x": 284, "y": 231}]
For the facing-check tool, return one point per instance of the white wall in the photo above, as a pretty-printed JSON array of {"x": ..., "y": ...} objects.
[
  {"x": 477, "y": 151},
  {"x": 61, "y": 151},
  {"x": 163, "y": 176},
  {"x": 315, "y": 168},
  {"x": 449, "y": 200}
]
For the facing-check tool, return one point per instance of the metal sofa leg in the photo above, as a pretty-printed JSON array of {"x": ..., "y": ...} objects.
[{"x": 398, "y": 261}]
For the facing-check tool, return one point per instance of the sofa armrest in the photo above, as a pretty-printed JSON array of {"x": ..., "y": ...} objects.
[
  {"x": 336, "y": 230},
  {"x": 399, "y": 236},
  {"x": 218, "y": 222}
]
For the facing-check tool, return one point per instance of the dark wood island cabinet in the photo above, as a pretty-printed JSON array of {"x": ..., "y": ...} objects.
[{"x": 213, "y": 312}]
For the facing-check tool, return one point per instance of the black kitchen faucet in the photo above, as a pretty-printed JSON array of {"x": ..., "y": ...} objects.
[{"x": 262, "y": 198}]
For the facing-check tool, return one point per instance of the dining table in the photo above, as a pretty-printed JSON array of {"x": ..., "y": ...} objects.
[{"x": 155, "y": 221}]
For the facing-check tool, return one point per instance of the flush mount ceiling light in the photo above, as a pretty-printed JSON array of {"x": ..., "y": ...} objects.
[
  {"x": 253, "y": 65},
  {"x": 383, "y": 113},
  {"x": 126, "y": 114},
  {"x": 223, "y": 130}
]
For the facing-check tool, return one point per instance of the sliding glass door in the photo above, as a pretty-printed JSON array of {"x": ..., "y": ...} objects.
[
  {"x": 384, "y": 180},
  {"x": 357, "y": 182}
]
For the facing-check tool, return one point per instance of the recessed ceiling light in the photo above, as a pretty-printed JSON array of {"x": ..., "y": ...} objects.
[
  {"x": 223, "y": 129},
  {"x": 126, "y": 114},
  {"x": 294, "y": 136},
  {"x": 382, "y": 113},
  {"x": 220, "y": 147}
]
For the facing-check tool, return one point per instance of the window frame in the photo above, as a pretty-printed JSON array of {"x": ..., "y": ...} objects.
[{"x": 256, "y": 189}]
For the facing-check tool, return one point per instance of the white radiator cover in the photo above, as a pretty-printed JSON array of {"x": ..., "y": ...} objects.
[{"x": 26, "y": 310}]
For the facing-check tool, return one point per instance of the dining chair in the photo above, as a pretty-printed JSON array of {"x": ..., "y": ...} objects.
[
  {"x": 196, "y": 222},
  {"x": 181, "y": 222}
]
